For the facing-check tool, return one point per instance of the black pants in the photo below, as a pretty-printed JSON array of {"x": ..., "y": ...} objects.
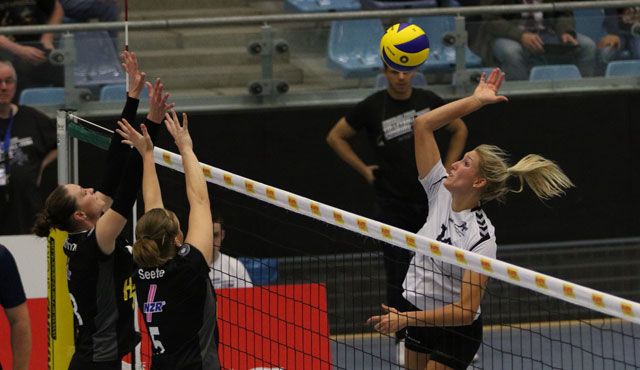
[{"x": 407, "y": 216}]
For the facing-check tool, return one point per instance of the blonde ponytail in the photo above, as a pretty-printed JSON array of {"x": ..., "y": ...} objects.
[
  {"x": 543, "y": 176},
  {"x": 146, "y": 253}
]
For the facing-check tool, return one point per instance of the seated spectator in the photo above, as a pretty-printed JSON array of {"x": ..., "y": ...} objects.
[
  {"x": 27, "y": 146},
  {"x": 226, "y": 271},
  {"x": 84, "y": 10},
  {"x": 516, "y": 42},
  {"x": 623, "y": 34},
  {"x": 14, "y": 302},
  {"x": 30, "y": 53}
]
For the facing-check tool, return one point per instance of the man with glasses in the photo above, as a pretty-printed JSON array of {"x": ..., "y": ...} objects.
[{"x": 27, "y": 146}]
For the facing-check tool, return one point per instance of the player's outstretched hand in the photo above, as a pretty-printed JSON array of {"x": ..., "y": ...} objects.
[
  {"x": 141, "y": 141},
  {"x": 487, "y": 90},
  {"x": 180, "y": 132}
]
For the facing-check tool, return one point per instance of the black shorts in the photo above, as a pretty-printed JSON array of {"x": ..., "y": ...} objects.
[{"x": 453, "y": 346}]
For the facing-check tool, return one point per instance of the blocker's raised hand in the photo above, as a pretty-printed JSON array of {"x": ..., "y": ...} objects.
[
  {"x": 180, "y": 132},
  {"x": 141, "y": 141}
]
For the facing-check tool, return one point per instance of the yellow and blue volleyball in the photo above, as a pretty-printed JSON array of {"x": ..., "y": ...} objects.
[{"x": 404, "y": 47}]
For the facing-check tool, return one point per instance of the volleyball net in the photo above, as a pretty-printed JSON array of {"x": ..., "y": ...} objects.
[{"x": 309, "y": 311}]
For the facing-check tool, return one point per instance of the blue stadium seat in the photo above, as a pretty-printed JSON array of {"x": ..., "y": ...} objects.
[
  {"x": 555, "y": 72},
  {"x": 263, "y": 271},
  {"x": 589, "y": 23},
  {"x": 442, "y": 58},
  {"x": 353, "y": 47},
  {"x": 417, "y": 80},
  {"x": 117, "y": 92},
  {"x": 42, "y": 96},
  {"x": 623, "y": 68},
  {"x": 97, "y": 61},
  {"x": 377, "y": 4},
  {"x": 318, "y": 6}
]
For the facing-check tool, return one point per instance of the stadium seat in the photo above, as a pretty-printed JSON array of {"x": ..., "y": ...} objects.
[
  {"x": 117, "y": 92},
  {"x": 555, "y": 72},
  {"x": 442, "y": 58},
  {"x": 623, "y": 68},
  {"x": 589, "y": 23},
  {"x": 97, "y": 62},
  {"x": 376, "y": 4},
  {"x": 318, "y": 6},
  {"x": 42, "y": 96},
  {"x": 353, "y": 47},
  {"x": 263, "y": 271},
  {"x": 418, "y": 80}
]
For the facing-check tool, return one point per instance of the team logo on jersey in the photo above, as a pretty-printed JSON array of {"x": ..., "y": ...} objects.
[
  {"x": 150, "y": 306},
  {"x": 68, "y": 246},
  {"x": 184, "y": 250}
]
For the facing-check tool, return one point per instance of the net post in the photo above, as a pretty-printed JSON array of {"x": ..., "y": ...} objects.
[{"x": 63, "y": 147}]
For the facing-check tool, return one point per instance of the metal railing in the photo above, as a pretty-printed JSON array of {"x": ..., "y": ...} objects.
[{"x": 322, "y": 98}]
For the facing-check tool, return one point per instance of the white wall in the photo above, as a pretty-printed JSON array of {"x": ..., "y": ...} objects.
[{"x": 30, "y": 253}]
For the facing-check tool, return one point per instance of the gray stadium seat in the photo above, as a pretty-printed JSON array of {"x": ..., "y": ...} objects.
[
  {"x": 417, "y": 80},
  {"x": 117, "y": 92},
  {"x": 442, "y": 58},
  {"x": 318, "y": 6},
  {"x": 555, "y": 72},
  {"x": 42, "y": 96},
  {"x": 623, "y": 68},
  {"x": 353, "y": 47}
]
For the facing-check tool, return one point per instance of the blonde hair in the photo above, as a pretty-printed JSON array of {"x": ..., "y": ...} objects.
[
  {"x": 543, "y": 176},
  {"x": 155, "y": 233}
]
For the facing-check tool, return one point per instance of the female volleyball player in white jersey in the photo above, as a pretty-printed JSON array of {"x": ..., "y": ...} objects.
[
  {"x": 99, "y": 266},
  {"x": 171, "y": 274},
  {"x": 445, "y": 329}
]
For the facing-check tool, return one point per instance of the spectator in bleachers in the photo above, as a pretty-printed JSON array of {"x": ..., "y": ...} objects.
[
  {"x": 226, "y": 271},
  {"x": 623, "y": 34},
  {"x": 27, "y": 146},
  {"x": 14, "y": 302},
  {"x": 85, "y": 10},
  {"x": 518, "y": 41},
  {"x": 30, "y": 53}
]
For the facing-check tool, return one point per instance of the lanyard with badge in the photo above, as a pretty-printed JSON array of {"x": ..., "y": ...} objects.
[{"x": 6, "y": 145}]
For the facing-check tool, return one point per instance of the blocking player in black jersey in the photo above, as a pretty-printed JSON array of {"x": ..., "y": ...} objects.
[
  {"x": 172, "y": 273},
  {"x": 99, "y": 266}
]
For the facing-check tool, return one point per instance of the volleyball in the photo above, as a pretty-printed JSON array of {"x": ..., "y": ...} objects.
[{"x": 404, "y": 47}]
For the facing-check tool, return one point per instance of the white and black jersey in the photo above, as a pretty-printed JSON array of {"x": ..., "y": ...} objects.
[
  {"x": 102, "y": 292},
  {"x": 178, "y": 307},
  {"x": 431, "y": 283}
]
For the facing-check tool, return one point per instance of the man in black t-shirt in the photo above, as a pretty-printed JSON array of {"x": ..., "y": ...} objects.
[
  {"x": 27, "y": 146},
  {"x": 387, "y": 118},
  {"x": 30, "y": 53},
  {"x": 14, "y": 302}
]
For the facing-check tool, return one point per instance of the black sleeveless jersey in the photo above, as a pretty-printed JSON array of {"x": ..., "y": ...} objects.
[
  {"x": 102, "y": 293},
  {"x": 179, "y": 309}
]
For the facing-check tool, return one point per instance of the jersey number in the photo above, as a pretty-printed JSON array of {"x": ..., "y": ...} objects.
[
  {"x": 74, "y": 305},
  {"x": 157, "y": 345}
]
